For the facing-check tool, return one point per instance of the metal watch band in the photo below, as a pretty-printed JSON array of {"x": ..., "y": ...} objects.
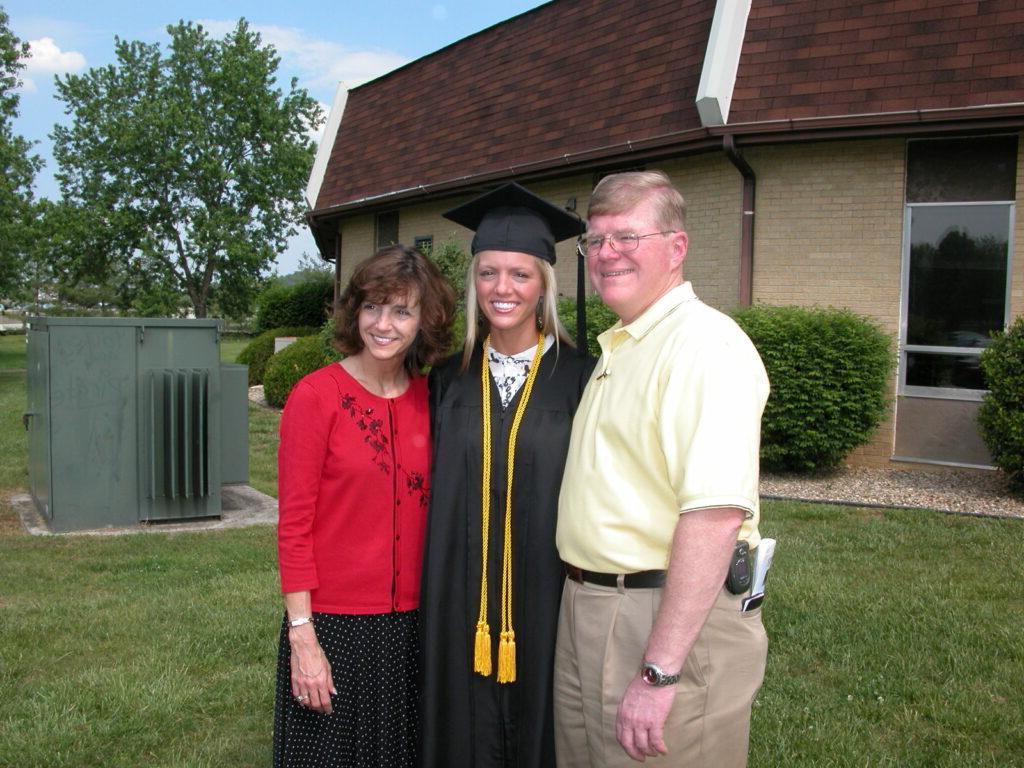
[{"x": 653, "y": 675}]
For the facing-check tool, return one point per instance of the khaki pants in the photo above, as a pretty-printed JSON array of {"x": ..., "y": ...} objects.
[{"x": 602, "y": 634}]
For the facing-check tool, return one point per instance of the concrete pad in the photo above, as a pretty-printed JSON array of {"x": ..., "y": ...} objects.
[{"x": 241, "y": 506}]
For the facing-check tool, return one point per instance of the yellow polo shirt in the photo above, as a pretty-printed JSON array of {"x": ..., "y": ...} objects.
[{"x": 669, "y": 422}]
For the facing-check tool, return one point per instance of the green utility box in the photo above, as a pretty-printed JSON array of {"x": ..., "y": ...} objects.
[
  {"x": 129, "y": 420},
  {"x": 234, "y": 423}
]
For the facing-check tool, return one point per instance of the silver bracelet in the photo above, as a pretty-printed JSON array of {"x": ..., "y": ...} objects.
[{"x": 300, "y": 621}]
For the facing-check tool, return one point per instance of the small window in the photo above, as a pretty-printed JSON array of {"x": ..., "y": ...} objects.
[
  {"x": 387, "y": 229},
  {"x": 424, "y": 244}
]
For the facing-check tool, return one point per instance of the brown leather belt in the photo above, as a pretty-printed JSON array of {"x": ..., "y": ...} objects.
[{"x": 638, "y": 580}]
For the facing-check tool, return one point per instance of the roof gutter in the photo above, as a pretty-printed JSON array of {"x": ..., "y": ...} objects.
[
  {"x": 746, "y": 282},
  {"x": 878, "y": 124}
]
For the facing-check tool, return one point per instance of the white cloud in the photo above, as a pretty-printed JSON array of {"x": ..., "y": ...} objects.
[
  {"x": 46, "y": 59},
  {"x": 317, "y": 63}
]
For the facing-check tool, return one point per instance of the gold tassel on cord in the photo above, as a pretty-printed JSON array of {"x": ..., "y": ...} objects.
[
  {"x": 507, "y": 657},
  {"x": 482, "y": 662}
]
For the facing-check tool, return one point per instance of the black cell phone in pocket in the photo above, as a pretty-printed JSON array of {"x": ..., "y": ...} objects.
[{"x": 737, "y": 581}]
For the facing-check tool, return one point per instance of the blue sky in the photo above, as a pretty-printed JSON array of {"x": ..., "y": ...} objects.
[{"x": 319, "y": 43}]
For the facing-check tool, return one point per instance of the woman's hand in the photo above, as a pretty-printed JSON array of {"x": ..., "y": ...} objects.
[{"x": 312, "y": 684}]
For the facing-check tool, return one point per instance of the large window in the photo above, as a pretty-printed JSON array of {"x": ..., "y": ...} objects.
[{"x": 958, "y": 224}]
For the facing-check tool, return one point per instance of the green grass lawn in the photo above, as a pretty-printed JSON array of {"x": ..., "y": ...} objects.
[
  {"x": 12, "y": 351},
  {"x": 231, "y": 345},
  {"x": 897, "y": 637}
]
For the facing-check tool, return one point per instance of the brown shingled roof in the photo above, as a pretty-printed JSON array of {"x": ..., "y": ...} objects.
[
  {"x": 568, "y": 77},
  {"x": 817, "y": 58},
  {"x": 578, "y": 81}
]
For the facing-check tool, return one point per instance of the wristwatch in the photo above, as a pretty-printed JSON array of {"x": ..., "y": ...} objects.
[{"x": 652, "y": 674}]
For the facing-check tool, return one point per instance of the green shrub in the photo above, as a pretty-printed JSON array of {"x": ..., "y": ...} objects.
[
  {"x": 301, "y": 357},
  {"x": 328, "y": 351},
  {"x": 458, "y": 330},
  {"x": 303, "y": 304},
  {"x": 453, "y": 262},
  {"x": 1001, "y": 417},
  {"x": 599, "y": 319},
  {"x": 258, "y": 351},
  {"x": 829, "y": 371}
]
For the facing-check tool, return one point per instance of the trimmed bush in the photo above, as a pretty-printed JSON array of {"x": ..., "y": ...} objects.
[
  {"x": 303, "y": 304},
  {"x": 599, "y": 319},
  {"x": 298, "y": 359},
  {"x": 284, "y": 370},
  {"x": 1001, "y": 416},
  {"x": 258, "y": 351},
  {"x": 829, "y": 371}
]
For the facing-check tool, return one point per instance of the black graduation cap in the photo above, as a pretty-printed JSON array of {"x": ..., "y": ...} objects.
[{"x": 512, "y": 218}]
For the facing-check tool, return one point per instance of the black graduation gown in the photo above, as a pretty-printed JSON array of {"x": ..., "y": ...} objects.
[{"x": 470, "y": 720}]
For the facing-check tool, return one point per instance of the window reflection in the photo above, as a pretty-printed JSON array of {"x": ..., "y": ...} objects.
[
  {"x": 926, "y": 369},
  {"x": 957, "y": 288}
]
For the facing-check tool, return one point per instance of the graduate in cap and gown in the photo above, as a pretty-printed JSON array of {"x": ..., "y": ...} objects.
[{"x": 501, "y": 417}]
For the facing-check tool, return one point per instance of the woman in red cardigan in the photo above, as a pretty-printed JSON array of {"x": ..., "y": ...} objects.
[{"x": 353, "y": 492}]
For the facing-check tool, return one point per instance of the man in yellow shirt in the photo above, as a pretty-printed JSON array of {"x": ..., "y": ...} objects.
[{"x": 656, "y": 658}]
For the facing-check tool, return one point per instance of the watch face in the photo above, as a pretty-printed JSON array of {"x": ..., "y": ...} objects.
[{"x": 650, "y": 675}]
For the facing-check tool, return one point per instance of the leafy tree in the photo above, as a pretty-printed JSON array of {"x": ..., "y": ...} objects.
[
  {"x": 187, "y": 169},
  {"x": 17, "y": 210},
  {"x": 309, "y": 268}
]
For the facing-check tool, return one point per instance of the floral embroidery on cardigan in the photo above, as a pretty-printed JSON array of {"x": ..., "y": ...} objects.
[{"x": 378, "y": 440}]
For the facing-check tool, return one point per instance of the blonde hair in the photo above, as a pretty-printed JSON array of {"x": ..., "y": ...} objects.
[
  {"x": 477, "y": 326},
  {"x": 621, "y": 192}
]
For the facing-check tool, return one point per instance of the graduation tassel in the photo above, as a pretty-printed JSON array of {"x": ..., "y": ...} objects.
[
  {"x": 507, "y": 657},
  {"x": 482, "y": 657}
]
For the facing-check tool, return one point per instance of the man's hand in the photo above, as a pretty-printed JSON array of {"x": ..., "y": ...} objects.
[{"x": 640, "y": 723}]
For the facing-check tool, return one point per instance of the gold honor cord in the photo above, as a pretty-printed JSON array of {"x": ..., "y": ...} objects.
[{"x": 507, "y": 645}]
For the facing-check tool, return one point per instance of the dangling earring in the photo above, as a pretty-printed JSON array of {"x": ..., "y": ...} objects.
[{"x": 540, "y": 314}]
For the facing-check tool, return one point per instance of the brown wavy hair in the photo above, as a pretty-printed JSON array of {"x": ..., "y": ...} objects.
[{"x": 399, "y": 270}]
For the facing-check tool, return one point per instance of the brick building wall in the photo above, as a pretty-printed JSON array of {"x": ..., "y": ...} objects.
[
  {"x": 829, "y": 231},
  {"x": 713, "y": 190}
]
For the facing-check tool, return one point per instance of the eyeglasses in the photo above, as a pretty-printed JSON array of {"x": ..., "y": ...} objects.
[{"x": 620, "y": 242}]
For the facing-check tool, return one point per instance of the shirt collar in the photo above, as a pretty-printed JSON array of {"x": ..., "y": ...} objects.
[
  {"x": 655, "y": 313},
  {"x": 525, "y": 356}
]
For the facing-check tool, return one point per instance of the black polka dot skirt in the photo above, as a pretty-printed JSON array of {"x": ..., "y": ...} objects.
[{"x": 375, "y": 665}]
